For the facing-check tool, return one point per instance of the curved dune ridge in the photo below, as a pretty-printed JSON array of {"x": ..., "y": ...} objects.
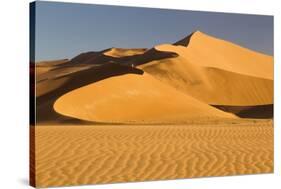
[
  {"x": 50, "y": 75},
  {"x": 133, "y": 98},
  {"x": 208, "y": 51}
]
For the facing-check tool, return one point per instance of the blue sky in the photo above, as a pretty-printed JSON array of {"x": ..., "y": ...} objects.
[{"x": 64, "y": 30}]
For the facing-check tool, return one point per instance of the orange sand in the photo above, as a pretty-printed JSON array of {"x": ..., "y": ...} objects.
[
  {"x": 122, "y": 115},
  {"x": 77, "y": 155},
  {"x": 133, "y": 99}
]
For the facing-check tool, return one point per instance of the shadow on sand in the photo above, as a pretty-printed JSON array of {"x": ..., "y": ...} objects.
[{"x": 104, "y": 67}]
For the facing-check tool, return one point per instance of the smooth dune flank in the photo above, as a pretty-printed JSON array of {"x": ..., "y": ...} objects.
[
  {"x": 201, "y": 106},
  {"x": 77, "y": 155},
  {"x": 208, "y": 51},
  {"x": 212, "y": 85},
  {"x": 133, "y": 98}
]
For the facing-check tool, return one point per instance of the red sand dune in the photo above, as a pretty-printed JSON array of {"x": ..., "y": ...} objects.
[{"x": 199, "y": 68}]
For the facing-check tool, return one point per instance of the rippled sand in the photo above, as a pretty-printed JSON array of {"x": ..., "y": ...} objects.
[{"x": 77, "y": 155}]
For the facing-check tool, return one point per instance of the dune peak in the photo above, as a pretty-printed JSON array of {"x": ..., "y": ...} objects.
[
  {"x": 197, "y": 32},
  {"x": 186, "y": 40}
]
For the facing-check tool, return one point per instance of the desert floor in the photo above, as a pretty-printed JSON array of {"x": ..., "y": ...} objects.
[{"x": 77, "y": 155}]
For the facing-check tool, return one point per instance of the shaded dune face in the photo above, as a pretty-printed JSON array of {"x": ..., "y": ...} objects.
[
  {"x": 82, "y": 70},
  {"x": 257, "y": 111},
  {"x": 127, "y": 57},
  {"x": 55, "y": 76},
  {"x": 133, "y": 99},
  {"x": 51, "y": 89},
  {"x": 111, "y": 55}
]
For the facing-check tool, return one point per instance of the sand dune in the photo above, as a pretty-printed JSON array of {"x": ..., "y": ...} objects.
[
  {"x": 111, "y": 55},
  {"x": 202, "y": 67},
  {"x": 133, "y": 98},
  {"x": 208, "y": 51},
  {"x": 212, "y": 85},
  {"x": 77, "y": 155},
  {"x": 55, "y": 77},
  {"x": 45, "y": 66},
  {"x": 215, "y": 71},
  {"x": 210, "y": 70},
  {"x": 51, "y": 63},
  {"x": 53, "y": 88}
]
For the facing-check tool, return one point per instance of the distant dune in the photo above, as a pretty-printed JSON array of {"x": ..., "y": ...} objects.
[
  {"x": 121, "y": 52},
  {"x": 45, "y": 66}
]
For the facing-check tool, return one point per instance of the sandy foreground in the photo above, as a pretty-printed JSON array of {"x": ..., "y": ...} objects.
[{"x": 78, "y": 155}]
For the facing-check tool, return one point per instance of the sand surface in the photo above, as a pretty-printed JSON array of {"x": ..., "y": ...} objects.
[{"x": 77, "y": 155}]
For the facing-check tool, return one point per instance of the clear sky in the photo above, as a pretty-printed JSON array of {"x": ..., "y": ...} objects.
[{"x": 64, "y": 30}]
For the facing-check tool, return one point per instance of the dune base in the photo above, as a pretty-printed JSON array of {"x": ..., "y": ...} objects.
[{"x": 77, "y": 155}]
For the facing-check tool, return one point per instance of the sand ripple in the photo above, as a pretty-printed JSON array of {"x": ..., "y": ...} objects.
[{"x": 77, "y": 155}]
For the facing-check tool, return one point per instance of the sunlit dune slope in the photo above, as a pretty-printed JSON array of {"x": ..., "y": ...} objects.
[
  {"x": 121, "y": 52},
  {"x": 215, "y": 71},
  {"x": 51, "y": 89},
  {"x": 212, "y": 85},
  {"x": 133, "y": 98},
  {"x": 208, "y": 51}
]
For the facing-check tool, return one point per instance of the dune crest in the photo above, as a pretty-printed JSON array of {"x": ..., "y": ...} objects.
[
  {"x": 121, "y": 52},
  {"x": 207, "y": 51}
]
